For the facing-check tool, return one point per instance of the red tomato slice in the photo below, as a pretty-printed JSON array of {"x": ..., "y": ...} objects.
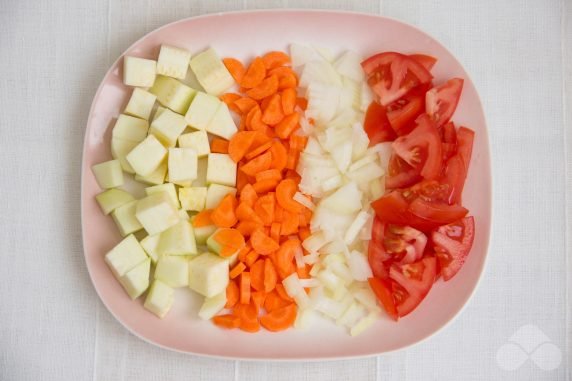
[
  {"x": 376, "y": 253},
  {"x": 449, "y": 133},
  {"x": 382, "y": 291},
  {"x": 392, "y": 208},
  {"x": 377, "y": 126},
  {"x": 392, "y": 75},
  {"x": 402, "y": 113},
  {"x": 401, "y": 174},
  {"x": 439, "y": 213},
  {"x": 413, "y": 283},
  {"x": 441, "y": 101},
  {"x": 427, "y": 61},
  {"x": 404, "y": 243},
  {"x": 452, "y": 244},
  {"x": 422, "y": 147},
  {"x": 456, "y": 169}
]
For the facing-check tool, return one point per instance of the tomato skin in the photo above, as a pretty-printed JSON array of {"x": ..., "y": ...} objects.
[
  {"x": 456, "y": 168},
  {"x": 382, "y": 291},
  {"x": 439, "y": 213},
  {"x": 425, "y": 141},
  {"x": 402, "y": 113},
  {"x": 381, "y": 70},
  {"x": 391, "y": 208},
  {"x": 377, "y": 126},
  {"x": 441, "y": 101},
  {"x": 452, "y": 253},
  {"x": 401, "y": 174},
  {"x": 427, "y": 61},
  {"x": 416, "y": 279},
  {"x": 376, "y": 253}
]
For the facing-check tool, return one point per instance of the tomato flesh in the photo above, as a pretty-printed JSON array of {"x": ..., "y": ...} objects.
[
  {"x": 441, "y": 101},
  {"x": 391, "y": 75},
  {"x": 439, "y": 213},
  {"x": 402, "y": 113},
  {"x": 427, "y": 61},
  {"x": 452, "y": 244},
  {"x": 401, "y": 174},
  {"x": 382, "y": 291},
  {"x": 377, "y": 126},
  {"x": 416, "y": 279},
  {"x": 457, "y": 166}
]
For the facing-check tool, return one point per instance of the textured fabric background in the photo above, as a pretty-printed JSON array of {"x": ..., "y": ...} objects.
[{"x": 53, "y": 326}]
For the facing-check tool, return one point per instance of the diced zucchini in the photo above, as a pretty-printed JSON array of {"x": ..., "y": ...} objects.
[
  {"x": 108, "y": 174},
  {"x": 157, "y": 213},
  {"x": 173, "y": 94},
  {"x": 157, "y": 177},
  {"x": 212, "y": 306},
  {"x": 211, "y": 73},
  {"x": 125, "y": 256},
  {"x": 130, "y": 128},
  {"x": 119, "y": 150},
  {"x": 215, "y": 193},
  {"x": 112, "y": 199},
  {"x": 136, "y": 281},
  {"x": 124, "y": 217},
  {"x": 193, "y": 199},
  {"x": 167, "y": 127},
  {"x": 173, "y": 62},
  {"x": 182, "y": 166},
  {"x": 208, "y": 274},
  {"x": 222, "y": 123},
  {"x": 198, "y": 140},
  {"x": 202, "y": 110},
  {"x": 139, "y": 71},
  {"x": 179, "y": 239},
  {"x": 173, "y": 271},
  {"x": 159, "y": 299},
  {"x": 221, "y": 169},
  {"x": 150, "y": 244},
  {"x": 140, "y": 104},
  {"x": 147, "y": 156},
  {"x": 168, "y": 188}
]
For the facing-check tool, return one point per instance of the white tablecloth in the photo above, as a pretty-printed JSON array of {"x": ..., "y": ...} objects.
[{"x": 52, "y": 324}]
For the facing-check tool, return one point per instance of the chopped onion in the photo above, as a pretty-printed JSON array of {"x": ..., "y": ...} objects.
[
  {"x": 299, "y": 257},
  {"x": 332, "y": 183},
  {"x": 314, "y": 242},
  {"x": 302, "y": 54},
  {"x": 309, "y": 283},
  {"x": 355, "y": 227},
  {"x": 342, "y": 271},
  {"x": 349, "y": 65},
  {"x": 302, "y": 299},
  {"x": 359, "y": 266},
  {"x": 300, "y": 198},
  {"x": 366, "y": 96},
  {"x": 352, "y": 315},
  {"x": 362, "y": 162},
  {"x": 292, "y": 285},
  {"x": 364, "y": 323},
  {"x": 311, "y": 258}
]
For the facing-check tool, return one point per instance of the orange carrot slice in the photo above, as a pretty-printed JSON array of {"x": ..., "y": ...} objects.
[
  {"x": 248, "y": 195},
  {"x": 302, "y": 103},
  {"x": 273, "y": 301},
  {"x": 264, "y": 186},
  {"x": 223, "y": 215},
  {"x": 243, "y": 252},
  {"x": 287, "y": 82},
  {"x": 273, "y": 113},
  {"x": 287, "y": 125},
  {"x": 275, "y": 59},
  {"x": 259, "y": 150},
  {"x": 283, "y": 258},
  {"x": 246, "y": 228},
  {"x": 280, "y": 319},
  {"x": 266, "y": 88},
  {"x": 219, "y": 145},
  {"x": 203, "y": 219},
  {"x": 245, "y": 104},
  {"x": 279, "y": 155},
  {"x": 288, "y": 98},
  {"x": 244, "y": 287},
  {"x": 303, "y": 233},
  {"x": 304, "y": 272},
  {"x": 298, "y": 142},
  {"x": 227, "y": 321},
  {"x": 262, "y": 243},
  {"x": 284, "y": 196},
  {"x": 235, "y": 67},
  {"x": 293, "y": 156},
  {"x": 251, "y": 257},
  {"x": 258, "y": 164},
  {"x": 254, "y": 74},
  {"x": 281, "y": 291},
  {"x": 237, "y": 270},
  {"x": 240, "y": 144},
  {"x": 257, "y": 275},
  {"x": 249, "y": 116},
  {"x": 258, "y": 298},
  {"x": 244, "y": 212},
  {"x": 269, "y": 174},
  {"x": 275, "y": 228},
  {"x": 232, "y": 294},
  {"x": 231, "y": 241},
  {"x": 248, "y": 315},
  {"x": 256, "y": 122},
  {"x": 270, "y": 276},
  {"x": 264, "y": 207},
  {"x": 290, "y": 223},
  {"x": 278, "y": 213},
  {"x": 229, "y": 98}
]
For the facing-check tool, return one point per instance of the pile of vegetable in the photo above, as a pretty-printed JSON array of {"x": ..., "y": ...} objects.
[{"x": 296, "y": 186}]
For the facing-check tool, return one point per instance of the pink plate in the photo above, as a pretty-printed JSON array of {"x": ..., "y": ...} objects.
[{"x": 233, "y": 34}]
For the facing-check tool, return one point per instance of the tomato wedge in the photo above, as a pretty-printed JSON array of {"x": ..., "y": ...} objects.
[
  {"x": 401, "y": 174},
  {"x": 427, "y": 61},
  {"x": 456, "y": 168},
  {"x": 382, "y": 290},
  {"x": 441, "y": 101},
  {"x": 402, "y": 113},
  {"x": 438, "y": 213},
  {"x": 391, "y": 75},
  {"x": 412, "y": 283},
  {"x": 376, "y": 254},
  {"x": 377, "y": 126},
  {"x": 422, "y": 147},
  {"x": 452, "y": 244}
]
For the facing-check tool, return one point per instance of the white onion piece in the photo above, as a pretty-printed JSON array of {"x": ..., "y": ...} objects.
[
  {"x": 314, "y": 242},
  {"x": 349, "y": 65},
  {"x": 359, "y": 266},
  {"x": 309, "y": 283},
  {"x": 302, "y": 54},
  {"x": 292, "y": 285},
  {"x": 364, "y": 323},
  {"x": 311, "y": 259},
  {"x": 301, "y": 199},
  {"x": 299, "y": 257},
  {"x": 355, "y": 227},
  {"x": 332, "y": 183}
]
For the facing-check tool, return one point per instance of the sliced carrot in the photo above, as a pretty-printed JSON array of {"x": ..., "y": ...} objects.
[
  {"x": 279, "y": 155},
  {"x": 232, "y": 294},
  {"x": 275, "y": 59},
  {"x": 240, "y": 144},
  {"x": 269, "y": 174},
  {"x": 282, "y": 71},
  {"x": 229, "y": 98},
  {"x": 264, "y": 186},
  {"x": 235, "y": 67},
  {"x": 254, "y": 74},
  {"x": 273, "y": 301},
  {"x": 227, "y": 321},
  {"x": 302, "y": 103},
  {"x": 293, "y": 175},
  {"x": 270, "y": 276},
  {"x": 258, "y": 298},
  {"x": 242, "y": 179},
  {"x": 256, "y": 123},
  {"x": 273, "y": 113},
  {"x": 242, "y": 125},
  {"x": 293, "y": 156},
  {"x": 280, "y": 319},
  {"x": 223, "y": 215},
  {"x": 248, "y": 195},
  {"x": 288, "y": 98},
  {"x": 244, "y": 287},
  {"x": 251, "y": 257},
  {"x": 237, "y": 270},
  {"x": 284, "y": 196},
  {"x": 244, "y": 252},
  {"x": 245, "y": 104},
  {"x": 266, "y": 88},
  {"x": 264, "y": 207},
  {"x": 304, "y": 272},
  {"x": 283, "y": 258},
  {"x": 262, "y": 243},
  {"x": 257, "y": 275},
  {"x": 278, "y": 213},
  {"x": 259, "y": 150},
  {"x": 231, "y": 241},
  {"x": 203, "y": 219},
  {"x": 303, "y": 233},
  {"x": 275, "y": 231},
  {"x": 298, "y": 142},
  {"x": 260, "y": 139},
  {"x": 248, "y": 315},
  {"x": 302, "y": 223},
  {"x": 290, "y": 223},
  {"x": 244, "y": 212},
  {"x": 281, "y": 291},
  {"x": 258, "y": 164},
  {"x": 246, "y": 228},
  {"x": 287, "y": 82},
  {"x": 219, "y": 145},
  {"x": 250, "y": 116},
  {"x": 287, "y": 125}
]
